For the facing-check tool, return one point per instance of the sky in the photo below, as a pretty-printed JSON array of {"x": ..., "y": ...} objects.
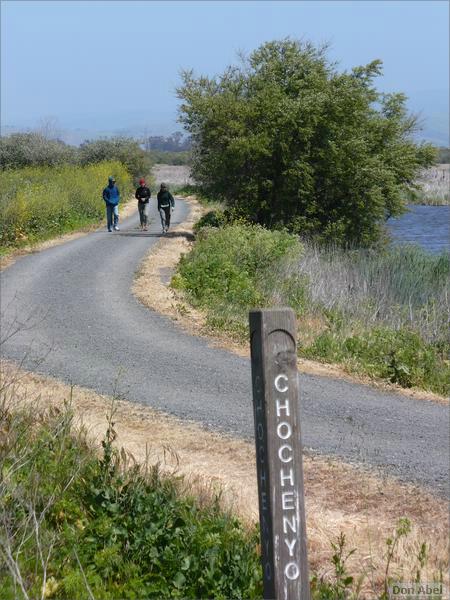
[{"x": 114, "y": 66}]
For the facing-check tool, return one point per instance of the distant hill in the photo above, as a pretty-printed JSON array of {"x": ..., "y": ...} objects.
[{"x": 431, "y": 105}]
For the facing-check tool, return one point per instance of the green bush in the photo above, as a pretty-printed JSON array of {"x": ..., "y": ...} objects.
[
  {"x": 235, "y": 266},
  {"x": 109, "y": 531},
  {"x": 39, "y": 202},
  {"x": 291, "y": 142},
  {"x": 381, "y": 313},
  {"x": 213, "y": 218},
  {"x": 400, "y": 357},
  {"x": 125, "y": 150}
]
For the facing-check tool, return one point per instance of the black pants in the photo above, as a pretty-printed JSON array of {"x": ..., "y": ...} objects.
[{"x": 143, "y": 213}]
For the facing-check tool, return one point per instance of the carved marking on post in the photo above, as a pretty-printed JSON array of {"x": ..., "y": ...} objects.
[{"x": 279, "y": 454}]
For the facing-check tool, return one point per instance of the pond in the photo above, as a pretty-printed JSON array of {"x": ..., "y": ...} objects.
[{"x": 427, "y": 226}]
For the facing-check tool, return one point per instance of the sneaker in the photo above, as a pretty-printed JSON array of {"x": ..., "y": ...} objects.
[
  {"x": 109, "y": 230},
  {"x": 116, "y": 228}
]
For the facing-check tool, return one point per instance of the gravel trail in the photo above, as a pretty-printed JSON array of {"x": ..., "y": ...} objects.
[{"x": 77, "y": 320}]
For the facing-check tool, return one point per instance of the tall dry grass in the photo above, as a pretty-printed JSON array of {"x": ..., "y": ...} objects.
[
  {"x": 401, "y": 286},
  {"x": 434, "y": 187}
]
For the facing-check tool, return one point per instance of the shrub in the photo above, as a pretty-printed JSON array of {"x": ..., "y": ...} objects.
[
  {"x": 383, "y": 313},
  {"x": 33, "y": 149},
  {"x": 80, "y": 526},
  {"x": 400, "y": 357},
  {"x": 213, "y": 218},
  {"x": 125, "y": 150},
  {"x": 235, "y": 265}
]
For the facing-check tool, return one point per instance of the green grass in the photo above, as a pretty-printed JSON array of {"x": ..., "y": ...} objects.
[
  {"x": 380, "y": 313},
  {"x": 397, "y": 356},
  {"x": 37, "y": 203}
]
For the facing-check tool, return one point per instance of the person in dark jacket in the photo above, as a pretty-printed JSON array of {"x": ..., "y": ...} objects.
[
  {"x": 166, "y": 204},
  {"x": 143, "y": 195},
  {"x": 111, "y": 196}
]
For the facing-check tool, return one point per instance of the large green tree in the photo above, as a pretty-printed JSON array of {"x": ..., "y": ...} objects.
[{"x": 288, "y": 140}]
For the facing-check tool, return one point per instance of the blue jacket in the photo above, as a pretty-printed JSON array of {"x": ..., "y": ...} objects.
[{"x": 111, "y": 195}]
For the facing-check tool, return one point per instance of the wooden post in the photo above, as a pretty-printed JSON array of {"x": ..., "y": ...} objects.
[{"x": 279, "y": 454}]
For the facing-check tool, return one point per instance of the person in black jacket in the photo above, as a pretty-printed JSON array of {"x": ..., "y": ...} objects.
[
  {"x": 166, "y": 204},
  {"x": 143, "y": 195}
]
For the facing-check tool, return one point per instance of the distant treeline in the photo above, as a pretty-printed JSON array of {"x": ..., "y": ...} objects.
[
  {"x": 21, "y": 150},
  {"x": 173, "y": 143},
  {"x": 35, "y": 150}
]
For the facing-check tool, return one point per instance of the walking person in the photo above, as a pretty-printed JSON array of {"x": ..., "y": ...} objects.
[
  {"x": 166, "y": 205},
  {"x": 143, "y": 195},
  {"x": 111, "y": 196}
]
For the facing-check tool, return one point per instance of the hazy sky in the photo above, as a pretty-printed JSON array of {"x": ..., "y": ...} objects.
[{"x": 112, "y": 64}]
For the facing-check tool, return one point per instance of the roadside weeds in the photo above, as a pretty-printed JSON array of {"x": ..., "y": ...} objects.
[{"x": 339, "y": 497}]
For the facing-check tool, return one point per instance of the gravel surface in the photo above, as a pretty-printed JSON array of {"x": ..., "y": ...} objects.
[{"x": 78, "y": 321}]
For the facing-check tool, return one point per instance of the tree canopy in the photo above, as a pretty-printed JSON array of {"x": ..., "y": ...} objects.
[
  {"x": 125, "y": 150},
  {"x": 286, "y": 139},
  {"x": 33, "y": 149}
]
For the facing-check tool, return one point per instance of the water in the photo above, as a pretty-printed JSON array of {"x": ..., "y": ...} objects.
[{"x": 427, "y": 226}]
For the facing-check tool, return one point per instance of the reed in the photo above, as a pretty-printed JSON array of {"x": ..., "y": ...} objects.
[
  {"x": 433, "y": 187},
  {"x": 402, "y": 286}
]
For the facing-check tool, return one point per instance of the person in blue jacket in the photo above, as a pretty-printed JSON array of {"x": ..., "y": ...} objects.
[{"x": 111, "y": 196}]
